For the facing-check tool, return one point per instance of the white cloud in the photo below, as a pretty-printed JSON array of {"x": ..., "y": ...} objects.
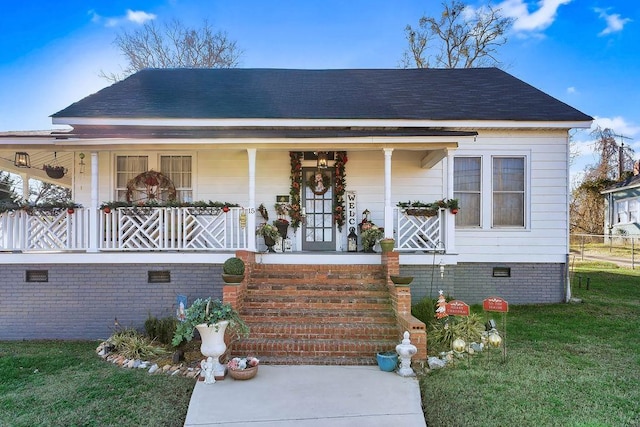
[
  {"x": 135, "y": 16},
  {"x": 572, "y": 90},
  {"x": 531, "y": 21},
  {"x": 618, "y": 125},
  {"x": 139, "y": 17},
  {"x": 614, "y": 22}
]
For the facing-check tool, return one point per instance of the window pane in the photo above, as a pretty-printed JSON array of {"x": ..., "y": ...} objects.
[
  {"x": 127, "y": 168},
  {"x": 508, "y": 192},
  {"x": 178, "y": 170},
  {"x": 466, "y": 188}
]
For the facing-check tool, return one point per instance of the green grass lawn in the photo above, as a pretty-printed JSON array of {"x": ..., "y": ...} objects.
[
  {"x": 67, "y": 384},
  {"x": 567, "y": 364}
]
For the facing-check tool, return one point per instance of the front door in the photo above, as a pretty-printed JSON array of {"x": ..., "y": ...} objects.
[{"x": 318, "y": 231}]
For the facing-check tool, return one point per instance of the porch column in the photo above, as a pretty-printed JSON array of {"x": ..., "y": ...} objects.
[
  {"x": 93, "y": 209},
  {"x": 251, "y": 216},
  {"x": 388, "y": 209},
  {"x": 25, "y": 186},
  {"x": 450, "y": 230}
]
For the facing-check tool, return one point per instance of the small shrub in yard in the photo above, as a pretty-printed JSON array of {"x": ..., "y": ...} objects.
[
  {"x": 133, "y": 345},
  {"x": 442, "y": 332},
  {"x": 161, "y": 330},
  {"x": 424, "y": 310}
]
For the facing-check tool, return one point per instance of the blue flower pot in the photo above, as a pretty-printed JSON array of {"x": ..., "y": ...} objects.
[{"x": 387, "y": 361}]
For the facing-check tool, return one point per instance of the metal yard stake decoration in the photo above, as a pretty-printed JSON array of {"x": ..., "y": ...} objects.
[{"x": 497, "y": 305}]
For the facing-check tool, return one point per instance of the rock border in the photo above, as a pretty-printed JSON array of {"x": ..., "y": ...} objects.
[{"x": 105, "y": 351}]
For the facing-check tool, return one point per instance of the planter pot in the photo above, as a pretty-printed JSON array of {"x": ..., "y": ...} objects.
[
  {"x": 244, "y": 374},
  {"x": 401, "y": 280},
  {"x": 232, "y": 278},
  {"x": 283, "y": 228},
  {"x": 269, "y": 242},
  {"x": 213, "y": 343},
  {"x": 387, "y": 361},
  {"x": 387, "y": 245}
]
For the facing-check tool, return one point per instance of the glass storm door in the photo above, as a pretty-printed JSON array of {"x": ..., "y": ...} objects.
[{"x": 318, "y": 232}]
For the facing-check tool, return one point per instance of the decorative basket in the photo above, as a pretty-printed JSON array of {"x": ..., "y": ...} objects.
[
  {"x": 401, "y": 280},
  {"x": 243, "y": 374}
]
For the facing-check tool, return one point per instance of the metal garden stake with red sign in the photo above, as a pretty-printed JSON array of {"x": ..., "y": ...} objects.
[{"x": 497, "y": 305}]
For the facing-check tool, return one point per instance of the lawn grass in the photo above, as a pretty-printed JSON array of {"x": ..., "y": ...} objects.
[
  {"x": 567, "y": 364},
  {"x": 66, "y": 384}
]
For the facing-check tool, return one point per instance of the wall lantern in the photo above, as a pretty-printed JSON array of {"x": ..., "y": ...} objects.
[
  {"x": 322, "y": 159},
  {"x": 81, "y": 164},
  {"x": 22, "y": 160}
]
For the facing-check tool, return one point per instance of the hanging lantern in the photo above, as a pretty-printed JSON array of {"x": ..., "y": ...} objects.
[
  {"x": 22, "y": 160},
  {"x": 322, "y": 159}
]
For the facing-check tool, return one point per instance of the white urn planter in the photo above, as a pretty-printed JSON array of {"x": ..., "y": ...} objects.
[{"x": 213, "y": 344}]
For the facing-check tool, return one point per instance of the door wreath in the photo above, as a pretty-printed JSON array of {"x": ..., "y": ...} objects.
[
  {"x": 152, "y": 186},
  {"x": 319, "y": 183}
]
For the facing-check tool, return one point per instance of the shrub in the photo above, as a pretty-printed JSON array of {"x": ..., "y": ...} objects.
[
  {"x": 133, "y": 345},
  {"x": 161, "y": 330},
  {"x": 424, "y": 310},
  {"x": 443, "y": 332},
  {"x": 234, "y": 266}
]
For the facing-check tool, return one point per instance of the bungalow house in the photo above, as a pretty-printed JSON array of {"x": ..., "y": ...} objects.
[
  {"x": 622, "y": 206},
  {"x": 339, "y": 150}
]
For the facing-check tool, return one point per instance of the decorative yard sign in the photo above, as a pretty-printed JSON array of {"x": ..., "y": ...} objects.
[
  {"x": 457, "y": 308},
  {"x": 495, "y": 304},
  {"x": 351, "y": 209}
]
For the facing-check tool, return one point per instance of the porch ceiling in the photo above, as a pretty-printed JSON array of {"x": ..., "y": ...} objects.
[{"x": 38, "y": 159}]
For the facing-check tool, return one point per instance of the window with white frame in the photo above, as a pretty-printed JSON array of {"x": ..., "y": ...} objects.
[
  {"x": 467, "y": 184},
  {"x": 627, "y": 211},
  {"x": 177, "y": 168},
  {"x": 508, "y": 182}
]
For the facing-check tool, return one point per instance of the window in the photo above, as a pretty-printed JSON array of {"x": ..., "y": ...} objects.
[
  {"x": 627, "y": 211},
  {"x": 127, "y": 168},
  {"x": 466, "y": 188},
  {"x": 508, "y": 191},
  {"x": 177, "y": 168}
]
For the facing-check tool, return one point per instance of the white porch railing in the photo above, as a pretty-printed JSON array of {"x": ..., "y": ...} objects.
[
  {"x": 51, "y": 230},
  {"x": 419, "y": 233},
  {"x": 125, "y": 229},
  {"x": 171, "y": 229},
  {"x": 188, "y": 228}
]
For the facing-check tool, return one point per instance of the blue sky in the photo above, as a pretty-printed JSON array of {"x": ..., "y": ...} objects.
[{"x": 583, "y": 52}]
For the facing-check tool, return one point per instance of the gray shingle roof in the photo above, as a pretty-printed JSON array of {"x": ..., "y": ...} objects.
[{"x": 421, "y": 94}]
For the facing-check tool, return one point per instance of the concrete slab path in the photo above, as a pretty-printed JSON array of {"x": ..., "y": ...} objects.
[{"x": 309, "y": 396}]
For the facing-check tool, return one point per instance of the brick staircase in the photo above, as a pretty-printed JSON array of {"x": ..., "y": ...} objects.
[{"x": 317, "y": 314}]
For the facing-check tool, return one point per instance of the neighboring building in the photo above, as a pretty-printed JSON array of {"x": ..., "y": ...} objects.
[
  {"x": 622, "y": 206},
  {"x": 495, "y": 143}
]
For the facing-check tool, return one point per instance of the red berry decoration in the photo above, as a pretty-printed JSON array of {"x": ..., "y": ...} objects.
[
  {"x": 225, "y": 209},
  {"x": 70, "y": 211},
  {"x": 107, "y": 209}
]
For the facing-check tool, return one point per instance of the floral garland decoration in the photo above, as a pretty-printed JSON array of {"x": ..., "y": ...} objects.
[
  {"x": 341, "y": 185},
  {"x": 295, "y": 211}
]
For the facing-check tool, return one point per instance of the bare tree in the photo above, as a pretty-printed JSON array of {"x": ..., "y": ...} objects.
[
  {"x": 46, "y": 192},
  {"x": 175, "y": 45},
  {"x": 462, "y": 37}
]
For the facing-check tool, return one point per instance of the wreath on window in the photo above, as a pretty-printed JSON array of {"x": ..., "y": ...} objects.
[
  {"x": 319, "y": 183},
  {"x": 153, "y": 186}
]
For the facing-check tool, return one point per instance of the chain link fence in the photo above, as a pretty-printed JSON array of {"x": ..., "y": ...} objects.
[{"x": 614, "y": 248}]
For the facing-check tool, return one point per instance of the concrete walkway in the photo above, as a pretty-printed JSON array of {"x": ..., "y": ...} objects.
[{"x": 308, "y": 396}]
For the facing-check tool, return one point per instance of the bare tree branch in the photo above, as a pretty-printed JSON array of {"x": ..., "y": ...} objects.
[
  {"x": 461, "y": 37},
  {"x": 174, "y": 46}
]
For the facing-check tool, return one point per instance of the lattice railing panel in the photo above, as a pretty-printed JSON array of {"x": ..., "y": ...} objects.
[{"x": 419, "y": 233}]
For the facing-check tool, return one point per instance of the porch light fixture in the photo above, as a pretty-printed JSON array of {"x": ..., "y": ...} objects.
[
  {"x": 22, "y": 160},
  {"x": 322, "y": 159},
  {"x": 441, "y": 265}
]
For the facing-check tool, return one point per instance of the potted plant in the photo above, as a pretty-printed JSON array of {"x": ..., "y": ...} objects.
[
  {"x": 210, "y": 317},
  {"x": 55, "y": 172},
  {"x": 270, "y": 233},
  {"x": 243, "y": 368},
  {"x": 233, "y": 270},
  {"x": 370, "y": 237},
  {"x": 387, "y": 360}
]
